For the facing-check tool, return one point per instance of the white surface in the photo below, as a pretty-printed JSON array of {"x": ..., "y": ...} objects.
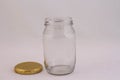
[
  {"x": 96, "y": 60},
  {"x": 97, "y": 25}
]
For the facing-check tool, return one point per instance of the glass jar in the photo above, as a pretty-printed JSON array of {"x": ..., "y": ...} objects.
[{"x": 59, "y": 46}]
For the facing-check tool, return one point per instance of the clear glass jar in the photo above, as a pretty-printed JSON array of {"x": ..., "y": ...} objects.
[{"x": 59, "y": 46}]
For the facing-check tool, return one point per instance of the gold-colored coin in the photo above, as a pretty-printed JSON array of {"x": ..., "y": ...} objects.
[{"x": 27, "y": 68}]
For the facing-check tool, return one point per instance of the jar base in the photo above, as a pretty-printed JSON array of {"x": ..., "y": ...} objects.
[{"x": 60, "y": 70}]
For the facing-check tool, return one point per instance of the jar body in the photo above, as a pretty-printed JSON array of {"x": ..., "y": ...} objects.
[{"x": 59, "y": 47}]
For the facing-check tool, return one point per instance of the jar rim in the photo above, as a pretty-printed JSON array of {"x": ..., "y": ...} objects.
[{"x": 51, "y": 20}]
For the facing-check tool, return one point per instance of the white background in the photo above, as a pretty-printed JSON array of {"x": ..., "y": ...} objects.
[{"x": 97, "y": 25}]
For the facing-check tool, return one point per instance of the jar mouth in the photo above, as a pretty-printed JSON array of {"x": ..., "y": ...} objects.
[{"x": 52, "y": 20}]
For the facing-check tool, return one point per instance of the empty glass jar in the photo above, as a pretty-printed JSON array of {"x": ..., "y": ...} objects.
[{"x": 59, "y": 46}]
